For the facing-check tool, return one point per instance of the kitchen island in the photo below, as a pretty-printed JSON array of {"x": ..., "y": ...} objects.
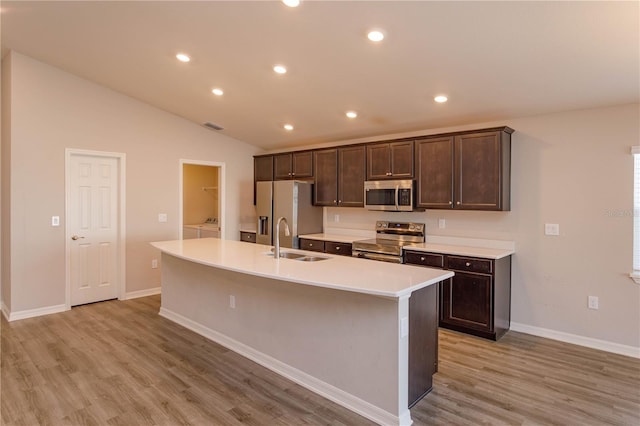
[{"x": 340, "y": 326}]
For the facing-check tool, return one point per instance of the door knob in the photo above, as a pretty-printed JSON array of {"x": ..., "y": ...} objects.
[{"x": 75, "y": 237}]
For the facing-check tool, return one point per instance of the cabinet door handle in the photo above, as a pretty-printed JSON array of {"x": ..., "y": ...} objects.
[
  {"x": 468, "y": 264},
  {"x": 458, "y": 203},
  {"x": 310, "y": 244},
  {"x": 450, "y": 203},
  {"x": 337, "y": 248},
  {"x": 422, "y": 258}
]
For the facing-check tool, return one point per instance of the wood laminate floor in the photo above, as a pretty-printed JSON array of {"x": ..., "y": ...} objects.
[{"x": 119, "y": 363}]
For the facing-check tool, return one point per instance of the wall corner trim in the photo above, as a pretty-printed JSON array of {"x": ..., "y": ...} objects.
[
  {"x": 324, "y": 389},
  {"x": 30, "y": 313},
  {"x": 142, "y": 293},
  {"x": 575, "y": 339},
  {"x": 5, "y": 310}
]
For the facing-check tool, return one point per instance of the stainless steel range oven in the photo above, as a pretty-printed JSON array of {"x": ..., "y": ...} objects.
[{"x": 390, "y": 238}]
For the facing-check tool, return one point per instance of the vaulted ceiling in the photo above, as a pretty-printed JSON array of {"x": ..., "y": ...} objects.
[{"x": 493, "y": 60}]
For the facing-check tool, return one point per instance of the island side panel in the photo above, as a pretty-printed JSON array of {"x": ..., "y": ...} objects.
[{"x": 348, "y": 340}]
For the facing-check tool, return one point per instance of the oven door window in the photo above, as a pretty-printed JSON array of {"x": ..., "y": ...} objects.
[{"x": 381, "y": 197}]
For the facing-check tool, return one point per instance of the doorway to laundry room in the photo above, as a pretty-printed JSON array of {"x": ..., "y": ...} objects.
[{"x": 202, "y": 199}]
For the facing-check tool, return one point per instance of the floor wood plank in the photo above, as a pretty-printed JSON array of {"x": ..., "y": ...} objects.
[{"x": 120, "y": 363}]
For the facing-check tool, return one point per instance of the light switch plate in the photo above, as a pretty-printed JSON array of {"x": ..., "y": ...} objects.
[
  {"x": 55, "y": 220},
  {"x": 162, "y": 217},
  {"x": 551, "y": 229}
]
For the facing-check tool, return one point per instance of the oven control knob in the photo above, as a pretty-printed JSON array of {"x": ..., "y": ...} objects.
[
  {"x": 412, "y": 228},
  {"x": 379, "y": 224},
  {"x": 384, "y": 225}
]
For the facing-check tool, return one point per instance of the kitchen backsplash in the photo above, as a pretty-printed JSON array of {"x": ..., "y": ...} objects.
[{"x": 464, "y": 224}]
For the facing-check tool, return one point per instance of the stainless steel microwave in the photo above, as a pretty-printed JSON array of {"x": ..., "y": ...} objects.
[{"x": 389, "y": 195}]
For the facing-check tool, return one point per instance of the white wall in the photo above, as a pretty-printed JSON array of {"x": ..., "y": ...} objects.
[
  {"x": 52, "y": 110},
  {"x": 574, "y": 169}
]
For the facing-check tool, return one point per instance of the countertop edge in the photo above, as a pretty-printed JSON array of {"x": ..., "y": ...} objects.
[
  {"x": 481, "y": 252},
  {"x": 160, "y": 245}
]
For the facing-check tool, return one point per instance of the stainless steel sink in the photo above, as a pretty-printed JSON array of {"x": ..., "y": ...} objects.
[
  {"x": 311, "y": 258},
  {"x": 289, "y": 255},
  {"x": 299, "y": 256}
]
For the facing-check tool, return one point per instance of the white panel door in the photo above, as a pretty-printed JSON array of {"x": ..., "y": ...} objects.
[{"x": 93, "y": 228}]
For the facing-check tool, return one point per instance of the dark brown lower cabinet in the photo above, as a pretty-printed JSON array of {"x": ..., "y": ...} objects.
[
  {"x": 325, "y": 246},
  {"x": 466, "y": 301},
  {"x": 477, "y": 299},
  {"x": 249, "y": 237},
  {"x": 423, "y": 341}
]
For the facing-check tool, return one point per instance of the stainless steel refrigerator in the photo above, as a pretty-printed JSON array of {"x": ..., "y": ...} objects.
[{"x": 291, "y": 199}]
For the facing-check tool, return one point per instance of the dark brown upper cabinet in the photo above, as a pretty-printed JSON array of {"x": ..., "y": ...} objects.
[
  {"x": 262, "y": 171},
  {"x": 465, "y": 171},
  {"x": 434, "y": 163},
  {"x": 339, "y": 176},
  {"x": 293, "y": 165},
  {"x": 483, "y": 170},
  {"x": 390, "y": 160},
  {"x": 263, "y": 168}
]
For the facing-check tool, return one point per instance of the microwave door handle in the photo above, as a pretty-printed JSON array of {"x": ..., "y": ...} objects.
[{"x": 396, "y": 197}]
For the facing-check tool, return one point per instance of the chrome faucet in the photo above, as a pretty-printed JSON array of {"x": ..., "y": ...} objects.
[{"x": 276, "y": 252}]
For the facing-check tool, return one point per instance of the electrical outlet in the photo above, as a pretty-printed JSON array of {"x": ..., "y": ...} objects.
[
  {"x": 162, "y": 217},
  {"x": 442, "y": 223},
  {"x": 232, "y": 301},
  {"x": 55, "y": 220},
  {"x": 593, "y": 302},
  {"x": 551, "y": 229},
  {"x": 154, "y": 263},
  {"x": 336, "y": 218}
]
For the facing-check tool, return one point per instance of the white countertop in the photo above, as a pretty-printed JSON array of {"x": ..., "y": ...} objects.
[
  {"x": 483, "y": 252},
  {"x": 337, "y": 272},
  {"x": 443, "y": 245},
  {"x": 207, "y": 226}
]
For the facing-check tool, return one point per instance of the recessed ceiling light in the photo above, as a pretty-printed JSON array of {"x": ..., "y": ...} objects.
[
  {"x": 291, "y": 3},
  {"x": 375, "y": 35},
  {"x": 217, "y": 92},
  {"x": 280, "y": 69},
  {"x": 183, "y": 57},
  {"x": 352, "y": 114},
  {"x": 288, "y": 127},
  {"x": 440, "y": 99}
]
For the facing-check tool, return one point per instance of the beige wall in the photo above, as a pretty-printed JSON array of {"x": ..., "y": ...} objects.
[
  {"x": 198, "y": 204},
  {"x": 52, "y": 110},
  {"x": 5, "y": 175},
  {"x": 574, "y": 169}
]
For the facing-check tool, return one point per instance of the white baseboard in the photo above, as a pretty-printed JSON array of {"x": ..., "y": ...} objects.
[
  {"x": 30, "y": 313},
  {"x": 5, "y": 311},
  {"x": 142, "y": 293},
  {"x": 575, "y": 339},
  {"x": 324, "y": 389}
]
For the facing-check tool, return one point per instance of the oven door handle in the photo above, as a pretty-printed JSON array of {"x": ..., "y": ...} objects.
[
  {"x": 396, "y": 197},
  {"x": 374, "y": 256}
]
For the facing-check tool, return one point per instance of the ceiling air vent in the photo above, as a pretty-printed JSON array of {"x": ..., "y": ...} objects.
[{"x": 213, "y": 126}]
